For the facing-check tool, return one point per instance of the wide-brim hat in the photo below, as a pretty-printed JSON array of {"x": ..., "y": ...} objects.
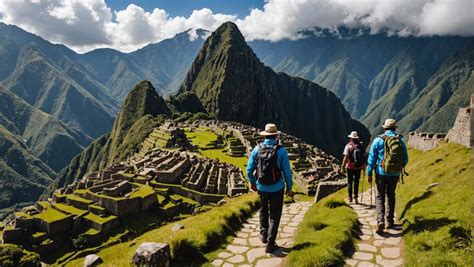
[
  {"x": 353, "y": 135},
  {"x": 389, "y": 123},
  {"x": 270, "y": 129}
]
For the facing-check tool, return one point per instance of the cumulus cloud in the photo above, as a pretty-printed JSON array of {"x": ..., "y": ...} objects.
[
  {"x": 87, "y": 24},
  {"x": 76, "y": 23},
  {"x": 281, "y": 19},
  {"x": 135, "y": 27}
]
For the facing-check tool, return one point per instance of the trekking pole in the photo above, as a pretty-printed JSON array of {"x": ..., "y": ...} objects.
[
  {"x": 371, "y": 194},
  {"x": 362, "y": 182}
]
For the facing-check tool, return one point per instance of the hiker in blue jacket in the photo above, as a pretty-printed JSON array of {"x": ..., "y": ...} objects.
[
  {"x": 267, "y": 165},
  {"x": 387, "y": 157}
]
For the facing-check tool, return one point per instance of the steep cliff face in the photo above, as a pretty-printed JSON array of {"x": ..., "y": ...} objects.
[{"x": 232, "y": 84}]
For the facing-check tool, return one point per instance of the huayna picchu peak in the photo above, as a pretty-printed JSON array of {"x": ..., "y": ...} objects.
[{"x": 232, "y": 84}]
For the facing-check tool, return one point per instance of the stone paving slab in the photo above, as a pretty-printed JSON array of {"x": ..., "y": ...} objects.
[
  {"x": 373, "y": 249},
  {"x": 247, "y": 249}
]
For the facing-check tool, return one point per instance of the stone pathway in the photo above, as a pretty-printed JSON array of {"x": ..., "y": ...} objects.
[
  {"x": 374, "y": 249},
  {"x": 248, "y": 250}
]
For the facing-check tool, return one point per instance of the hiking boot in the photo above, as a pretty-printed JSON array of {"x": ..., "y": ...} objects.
[
  {"x": 380, "y": 226},
  {"x": 264, "y": 239},
  {"x": 350, "y": 199},
  {"x": 271, "y": 247},
  {"x": 356, "y": 200},
  {"x": 389, "y": 226}
]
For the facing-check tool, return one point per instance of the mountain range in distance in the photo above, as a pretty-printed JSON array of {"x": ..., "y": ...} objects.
[{"x": 359, "y": 67}]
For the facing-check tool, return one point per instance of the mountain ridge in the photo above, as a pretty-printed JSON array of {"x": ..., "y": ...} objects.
[
  {"x": 23, "y": 177},
  {"x": 232, "y": 84},
  {"x": 44, "y": 134},
  {"x": 142, "y": 111}
]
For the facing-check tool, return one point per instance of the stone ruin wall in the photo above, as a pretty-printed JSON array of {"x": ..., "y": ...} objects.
[
  {"x": 461, "y": 132},
  {"x": 425, "y": 141}
]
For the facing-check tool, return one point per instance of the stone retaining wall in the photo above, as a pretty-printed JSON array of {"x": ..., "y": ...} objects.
[
  {"x": 463, "y": 127},
  {"x": 55, "y": 227},
  {"x": 324, "y": 189}
]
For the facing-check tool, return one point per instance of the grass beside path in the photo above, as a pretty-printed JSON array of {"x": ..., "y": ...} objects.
[
  {"x": 325, "y": 234},
  {"x": 201, "y": 234},
  {"x": 437, "y": 222}
]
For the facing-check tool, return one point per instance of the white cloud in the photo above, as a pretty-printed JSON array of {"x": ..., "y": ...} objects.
[
  {"x": 284, "y": 19},
  {"x": 75, "y": 23},
  {"x": 87, "y": 24}
]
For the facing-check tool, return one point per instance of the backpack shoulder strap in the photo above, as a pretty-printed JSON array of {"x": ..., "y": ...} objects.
[
  {"x": 275, "y": 148},
  {"x": 260, "y": 148}
]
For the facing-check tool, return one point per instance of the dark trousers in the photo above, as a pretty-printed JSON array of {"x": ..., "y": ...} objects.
[
  {"x": 386, "y": 186},
  {"x": 271, "y": 206},
  {"x": 353, "y": 177}
]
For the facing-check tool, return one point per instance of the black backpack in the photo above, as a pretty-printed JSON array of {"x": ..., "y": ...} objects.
[
  {"x": 267, "y": 168},
  {"x": 357, "y": 154}
]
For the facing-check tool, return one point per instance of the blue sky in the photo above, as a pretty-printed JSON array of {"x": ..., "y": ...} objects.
[{"x": 186, "y": 7}]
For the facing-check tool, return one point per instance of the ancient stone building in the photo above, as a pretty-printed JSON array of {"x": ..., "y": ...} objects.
[
  {"x": 425, "y": 141},
  {"x": 311, "y": 165},
  {"x": 463, "y": 127}
]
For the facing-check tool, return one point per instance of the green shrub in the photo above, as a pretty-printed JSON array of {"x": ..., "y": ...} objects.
[
  {"x": 79, "y": 242},
  {"x": 14, "y": 256}
]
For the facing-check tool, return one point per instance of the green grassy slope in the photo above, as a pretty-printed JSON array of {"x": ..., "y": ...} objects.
[
  {"x": 23, "y": 177},
  {"x": 47, "y": 137},
  {"x": 437, "y": 222}
]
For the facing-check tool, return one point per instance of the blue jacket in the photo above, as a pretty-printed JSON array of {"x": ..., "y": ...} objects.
[
  {"x": 376, "y": 155},
  {"x": 283, "y": 164}
]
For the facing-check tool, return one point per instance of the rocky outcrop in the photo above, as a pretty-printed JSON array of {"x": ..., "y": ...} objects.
[
  {"x": 463, "y": 127},
  {"x": 92, "y": 260},
  {"x": 232, "y": 84},
  {"x": 151, "y": 254}
]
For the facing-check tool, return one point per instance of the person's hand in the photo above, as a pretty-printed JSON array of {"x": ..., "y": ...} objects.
[
  {"x": 344, "y": 169},
  {"x": 369, "y": 179},
  {"x": 253, "y": 187},
  {"x": 289, "y": 193}
]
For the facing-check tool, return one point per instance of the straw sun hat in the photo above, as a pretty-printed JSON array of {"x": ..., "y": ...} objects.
[
  {"x": 353, "y": 135},
  {"x": 389, "y": 123},
  {"x": 270, "y": 129}
]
